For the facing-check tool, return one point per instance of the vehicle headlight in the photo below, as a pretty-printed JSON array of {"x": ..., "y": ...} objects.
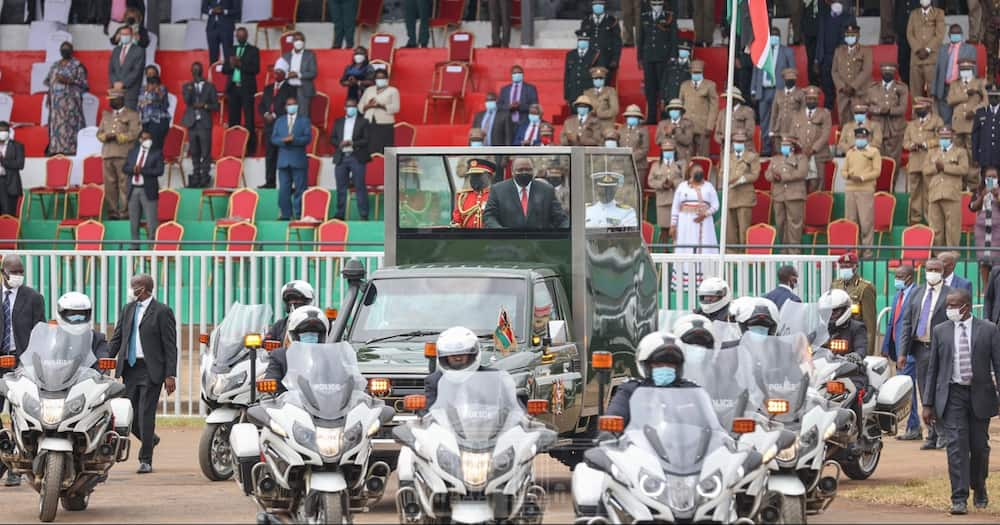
[
  {"x": 277, "y": 429},
  {"x": 809, "y": 440},
  {"x": 449, "y": 462},
  {"x": 352, "y": 436},
  {"x": 52, "y": 410},
  {"x": 651, "y": 485},
  {"x": 710, "y": 487},
  {"x": 502, "y": 463},
  {"x": 328, "y": 441},
  {"x": 681, "y": 492},
  {"x": 304, "y": 436},
  {"x": 830, "y": 431},
  {"x": 788, "y": 454},
  {"x": 224, "y": 383},
  {"x": 769, "y": 454},
  {"x": 73, "y": 407},
  {"x": 475, "y": 467}
]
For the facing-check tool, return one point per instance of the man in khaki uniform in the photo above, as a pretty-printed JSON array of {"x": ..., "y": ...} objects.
[
  {"x": 788, "y": 101},
  {"x": 744, "y": 168},
  {"x": 920, "y": 137},
  {"x": 852, "y": 73},
  {"x": 679, "y": 128},
  {"x": 665, "y": 175},
  {"x": 887, "y": 102},
  {"x": 811, "y": 127},
  {"x": 859, "y": 119},
  {"x": 635, "y": 136},
  {"x": 944, "y": 169},
  {"x": 787, "y": 175},
  {"x": 743, "y": 120},
  {"x": 120, "y": 127},
  {"x": 965, "y": 96},
  {"x": 583, "y": 128},
  {"x": 701, "y": 104},
  {"x": 605, "y": 98},
  {"x": 860, "y": 171},
  {"x": 924, "y": 31}
]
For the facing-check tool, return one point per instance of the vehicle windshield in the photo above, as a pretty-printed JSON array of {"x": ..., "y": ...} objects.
[
  {"x": 323, "y": 379},
  {"x": 804, "y": 318},
  {"x": 727, "y": 377},
  {"x": 727, "y": 334},
  {"x": 782, "y": 366},
  {"x": 401, "y": 306},
  {"x": 678, "y": 424},
  {"x": 56, "y": 359},
  {"x": 228, "y": 347},
  {"x": 477, "y": 407}
]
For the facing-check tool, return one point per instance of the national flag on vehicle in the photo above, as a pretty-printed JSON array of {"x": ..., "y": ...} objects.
[{"x": 503, "y": 336}]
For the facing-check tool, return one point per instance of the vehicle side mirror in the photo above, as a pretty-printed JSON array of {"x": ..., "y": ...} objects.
[{"x": 557, "y": 332}]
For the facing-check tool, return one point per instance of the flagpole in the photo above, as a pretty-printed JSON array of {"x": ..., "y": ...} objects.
[{"x": 727, "y": 139}]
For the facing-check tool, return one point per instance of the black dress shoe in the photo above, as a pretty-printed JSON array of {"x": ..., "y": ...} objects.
[
  {"x": 156, "y": 441},
  {"x": 266, "y": 187},
  {"x": 982, "y": 503},
  {"x": 12, "y": 480},
  {"x": 930, "y": 444},
  {"x": 144, "y": 468},
  {"x": 942, "y": 443},
  {"x": 959, "y": 507},
  {"x": 912, "y": 435}
]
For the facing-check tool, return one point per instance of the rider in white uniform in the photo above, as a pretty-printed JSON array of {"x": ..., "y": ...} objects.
[{"x": 607, "y": 212}]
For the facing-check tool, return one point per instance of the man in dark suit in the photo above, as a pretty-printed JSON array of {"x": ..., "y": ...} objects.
[
  {"x": 519, "y": 203},
  {"x": 145, "y": 343},
  {"x": 494, "y": 122},
  {"x": 292, "y": 133},
  {"x": 272, "y": 107},
  {"x": 576, "y": 74},
  {"x": 517, "y": 96},
  {"x": 350, "y": 142},
  {"x": 925, "y": 311},
  {"x": 961, "y": 396},
  {"x": 302, "y": 69},
  {"x": 952, "y": 279},
  {"x": 242, "y": 67},
  {"x": 144, "y": 166},
  {"x": 222, "y": 17},
  {"x": 529, "y": 133},
  {"x": 11, "y": 164},
  {"x": 202, "y": 101},
  {"x": 125, "y": 65},
  {"x": 986, "y": 130},
  {"x": 903, "y": 284},
  {"x": 946, "y": 70},
  {"x": 991, "y": 298},
  {"x": 788, "y": 277},
  {"x": 765, "y": 82},
  {"x": 606, "y": 36}
]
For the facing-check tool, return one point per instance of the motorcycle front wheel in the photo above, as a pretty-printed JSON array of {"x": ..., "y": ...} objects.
[
  {"x": 864, "y": 462},
  {"x": 793, "y": 510},
  {"x": 214, "y": 453},
  {"x": 332, "y": 508},
  {"x": 48, "y": 502}
]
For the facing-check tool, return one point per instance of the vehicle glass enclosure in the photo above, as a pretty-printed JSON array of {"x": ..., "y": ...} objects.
[
  {"x": 782, "y": 367},
  {"x": 726, "y": 375},
  {"x": 227, "y": 339},
  {"x": 478, "y": 407},
  {"x": 56, "y": 359},
  {"x": 323, "y": 378}
]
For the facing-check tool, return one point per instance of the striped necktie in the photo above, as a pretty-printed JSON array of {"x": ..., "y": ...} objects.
[{"x": 964, "y": 355}]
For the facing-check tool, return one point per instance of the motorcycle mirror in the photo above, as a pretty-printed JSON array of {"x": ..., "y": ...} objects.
[
  {"x": 106, "y": 363},
  {"x": 271, "y": 344},
  {"x": 415, "y": 402},
  {"x": 253, "y": 340},
  {"x": 538, "y": 406},
  {"x": 386, "y": 415},
  {"x": 613, "y": 424},
  {"x": 267, "y": 386},
  {"x": 8, "y": 361},
  {"x": 203, "y": 339}
]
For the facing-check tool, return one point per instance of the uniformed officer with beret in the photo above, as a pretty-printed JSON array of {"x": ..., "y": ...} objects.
[
  {"x": 788, "y": 100},
  {"x": 656, "y": 47},
  {"x": 944, "y": 170},
  {"x": 787, "y": 174},
  {"x": 604, "y": 97},
  {"x": 701, "y": 104},
  {"x": 919, "y": 138}
]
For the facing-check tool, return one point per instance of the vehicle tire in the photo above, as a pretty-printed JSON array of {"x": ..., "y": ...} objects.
[
  {"x": 76, "y": 502},
  {"x": 793, "y": 510},
  {"x": 332, "y": 508},
  {"x": 48, "y": 496},
  {"x": 863, "y": 465},
  {"x": 214, "y": 453}
]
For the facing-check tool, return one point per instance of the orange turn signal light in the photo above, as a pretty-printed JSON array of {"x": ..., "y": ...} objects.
[
  {"x": 613, "y": 424},
  {"x": 538, "y": 406},
  {"x": 331, "y": 313},
  {"x": 267, "y": 386},
  {"x": 838, "y": 346},
  {"x": 430, "y": 350},
  {"x": 742, "y": 425},
  {"x": 777, "y": 406},
  {"x": 379, "y": 386},
  {"x": 107, "y": 363},
  {"x": 834, "y": 387},
  {"x": 415, "y": 402},
  {"x": 601, "y": 360},
  {"x": 8, "y": 361},
  {"x": 203, "y": 339},
  {"x": 271, "y": 344}
]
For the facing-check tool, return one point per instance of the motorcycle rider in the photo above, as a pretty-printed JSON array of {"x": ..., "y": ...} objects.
[
  {"x": 695, "y": 330},
  {"x": 457, "y": 355},
  {"x": 75, "y": 312},
  {"x": 713, "y": 299},
  {"x": 661, "y": 364},
  {"x": 295, "y": 294},
  {"x": 306, "y": 324},
  {"x": 848, "y": 336},
  {"x": 761, "y": 319}
]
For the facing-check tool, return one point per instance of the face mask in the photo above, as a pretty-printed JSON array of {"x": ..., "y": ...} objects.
[
  {"x": 292, "y": 109},
  {"x": 954, "y": 314},
  {"x": 790, "y": 83},
  {"x": 738, "y": 147},
  {"x": 309, "y": 337},
  {"x": 476, "y": 144},
  {"x": 517, "y": 77},
  {"x": 698, "y": 177},
  {"x": 15, "y": 281},
  {"x": 610, "y": 143},
  {"x": 583, "y": 45},
  {"x": 850, "y": 40},
  {"x": 125, "y": 40},
  {"x": 241, "y": 40},
  {"x": 534, "y": 119},
  {"x": 888, "y": 77},
  {"x": 899, "y": 284},
  {"x": 117, "y": 103},
  {"x": 775, "y": 40},
  {"x": 697, "y": 77},
  {"x": 921, "y": 113},
  {"x": 66, "y": 53},
  {"x": 786, "y": 150},
  {"x": 836, "y": 8},
  {"x": 4, "y": 135},
  {"x": 352, "y": 111},
  {"x": 632, "y": 121},
  {"x": 955, "y": 38},
  {"x": 491, "y": 105},
  {"x": 522, "y": 178},
  {"x": 668, "y": 155},
  {"x": 860, "y": 143},
  {"x": 684, "y": 54},
  {"x": 675, "y": 114},
  {"x": 359, "y": 59},
  {"x": 994, "y": 101},
  {"x": 381, "y": 82},
  {"x": 299, "y": 45},
  {"x": 148, "y": 143},
  {"x": 944, "y": 143},
  {"x": 555, "y": 181},
  {"x": 477, "y": 182},
  {"x": 811, "y": 104},
  {"x": 598, "y": 83},
  {"x": 991, "y": 182},
  {"x": 933, "y": 278},
  {"x": 582, "y": 111},
  {"x": 845, "y": 273},
  {"x": 966, "y": 74},
  {"x": 664, "y": 375},
  {"x": 859, "y": 117},
  {"x": 758, "y": 330},
  {"x": 599, "y": 9},
  {"x": 925, "y": 3},
  {"x": 76, "y": 318}
]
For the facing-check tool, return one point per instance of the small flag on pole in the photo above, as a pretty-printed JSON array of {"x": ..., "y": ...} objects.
[{"x": 503, "y": 336}]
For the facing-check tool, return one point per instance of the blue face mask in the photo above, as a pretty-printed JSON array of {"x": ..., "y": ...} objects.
[
  {"x": 598, "y": 82},
  {"x": 955, "y": 38},
  {"x": 583, "y": 45},
  {"x": 292, "y": 109},
  {"x": 846, "y": 273},
  {"x": 860, "y": 143},
  {"x": 684, "y": 54},
  {"x": 632, "y": 121},
  {"x": 517, "y": 77},
  {"x": 859, "y": 117},
  {"x": 944, "y": 143},
  {"x": 697, "y": 77},
  {"x": 309, "y": 337},
  {"x": 738, "y": 147},
  {"x": 668, "y": 155},
  {"x": 598, "y": 9},
  {"x": 674, "y": 114},
  {"x": 664, "y": 375},
  {"x": 476, "y": 144},
  {"x": 491, "y": 105},
  {"x": 352, "y": 111},
  {"x": 786, "y": 150},
  {"x": 900, "y": 284},
  {"x": 775, "y": 40},
  {"x": 582, "y": 111},
  {"x": 534, "y": 119},
  {"x": 850, "y": 40},
  {"x": 758, "y": 330}
]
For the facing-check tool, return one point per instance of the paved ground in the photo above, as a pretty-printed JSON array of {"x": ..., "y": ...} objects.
[{"x": 177, "y": 493}]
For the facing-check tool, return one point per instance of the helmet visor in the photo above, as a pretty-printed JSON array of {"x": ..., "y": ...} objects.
[
  {"x": 456, "y": 362},
  {"x": 75, "y": 316}
]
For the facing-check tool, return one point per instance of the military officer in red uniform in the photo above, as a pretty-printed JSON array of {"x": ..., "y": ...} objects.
[{"x": 469, "y": 203}]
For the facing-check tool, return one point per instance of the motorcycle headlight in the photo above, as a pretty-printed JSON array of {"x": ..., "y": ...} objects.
[
  {"x": 352, "y": 436},
  {"x": 224, "y": 383},
  {"x": 502, "y": 463},
  {"x": 830, "y": 431},
  {"x": 52, "y": 410},
  {"x": 651, "y": 485},
  {"x": 769, "y": 454},
  {"x": 32, "y": 407},
  {"x": 449, "y": 462},
  {"x": 304, "y": 436},
  {"x": 277, "y": 429},
  {"x": 475, "y": 467},
  {"x": 328, "y": 441},
  {"x": 680, "y": 492},
  {"x": 788, "y": 455},
  {"x": 73, "y": 407},
  {"x": 809, "y": 440},
  {"x": 710, "y": 487}
]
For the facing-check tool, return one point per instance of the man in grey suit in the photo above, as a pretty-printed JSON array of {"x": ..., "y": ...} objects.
[
  {"x": 961, "y": 395},
  {"x": 764, "y": 83},
  {"x": 202, "y": 101},
  {"x": 126, "y": 65},
  {"x": 946, "y": 69},
  {"x": 301, "y": 72},
  {"x": 922, "y": 314}
]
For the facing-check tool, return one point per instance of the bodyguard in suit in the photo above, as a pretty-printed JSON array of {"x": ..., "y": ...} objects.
[
  {"x": 952, "y": 279},
  {"x": 495, "y": 123},
  {"x": 126, "y": 64},
  {"x": 292, "y": 134},
  {"x": 520, "y": 203},
  {"x": 925, "y": 311},
  {"x": 272, "y": 107},
  {"x": 242, "y": 67},
  {"x": 765, "y": 83},
  {"x": 986, "y": 130},
  {"x": 788, "y": 278},
  {"x": 145, "y": 343},
  {"x": 11, "y": 164},
  {"x": 947, "y": 69},
  {"x": 904, "y": 287},
  {"x": 960, "y": 396},
  {"x": 529, "y": 132},
  {"x": 302, "y": 68},
  {"x": 202, "y": 101},
  {"x": 606, "y": 35},
  {"x": 518, "y": 96},
  {"x": 350, "y": 143},
  {"x": 222, "y": 17},
  {"x": 144, "y": 166},
  {"x": 656, "y": 47},
  {"x": 576, "y": 76}
]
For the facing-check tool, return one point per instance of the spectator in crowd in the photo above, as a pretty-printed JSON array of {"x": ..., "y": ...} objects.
[
  {"x": 11, "y": 164},
  {"x": 859, "y": 119},
  {"x": 861, "y": 170},
  {"x": 887, "y": 102},
  {"x": 145, "y": 343},
  {"x": 494, "y": 122},
  {"x": 679, "y": 129},
  {"x": 743, "y": 119},
  {"x": 832, "y": 27},
  {"x": 665, "y": 175},
  {"x": 358, "y": 75},
  {"x": 67, "y": 82},
  {"x": 606, "y": 36},
  {"x": 944, "y": 169},
  {"x": 862, "y": 293},
  {"x": 919, "y": 138},
  {"x": 222, "y": 16},
  {"x": 144, "y": 167},
  {"x": 350, "y": 140},
  {"x": 965, "y": 96},
  {"x": 924, "y": 33},
  {"x": 678, "y": 72},
  {"x": 380, "y": 103},
  {"x": 202, "y": 101},
  {"x": 126, "y": 66},
  {"x": 787, "y": 174},
  {"x": 579, "y": 61},
  {"x": 583, "y": 128},
  {"x": 635, "y": 136},
  {"x": 701, "y": 104},
  {"x": 788, "y": 101},
  {"x": 500, "y": 22},
  {"x": 986, "y": 204},
  {"x": 991, "y": 39},
  {"x": 949, "y": 69},
  {"x": 548, "y": 134},
  {"x": 518, "y": 96},
  {"x": 814, "y": 11},
  {"x": 811, "y": 127},
  {"x": 271, "y": 108},
  {"x": 692, "y": 226},
  {"x": 119, "y": 128},
  {"x": 611, "y": 138},
  {"x": 604, "y": 97},
  {"x": 302, "y": 69},
  {"x": 852, "y": 73},
  {"x": 133, "y": 21},
  {"x": 292, "y": 134},
  {"x": 343, "y": 14},
  {"x": 528, "y": 133},
  {"x": 976, "y": 21},
  {"x": 656, "y": 49},
  {"x": 986, "y": 130},
  {"x": 951, "y": 279},
  {"x": 904, "y": 287},
  {"x": 242, "y": 67},
  {"x": 704, "y": 23},
  {"x": 413, "y": 10},
  {"x": 765, "y": 83},
  {"x": 744, "y": 168},
  {"x": 788, "y": 280},
  {"x": 154, "y": 110}
]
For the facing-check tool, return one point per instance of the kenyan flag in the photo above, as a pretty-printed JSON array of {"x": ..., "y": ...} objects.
[{"x": 760, "y": 48}]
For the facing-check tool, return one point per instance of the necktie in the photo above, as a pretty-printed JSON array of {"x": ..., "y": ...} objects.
[
  {"x": 488, "y": 128},
  {"x": 953, "y": 63},
  {"x": 132, "y": 352},
  {"x": 237, "y": 77},
  {"x": 515, "y": 95},
  {"x": 121, "y": 57},
  {"x": 136, "y": 179},
  {"x": 925, "y": 312},
  {"x": 895, "y": 316},
  {"x": 809, "y": 114},
  {"x": 524, "y": 202},
  {"x": 5, "y": 346},
  {"x": 964, "y": 355}
]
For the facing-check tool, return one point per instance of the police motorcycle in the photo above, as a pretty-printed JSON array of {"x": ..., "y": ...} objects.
[
  {"x": 229, "y": 368},
  {"x": 69, "y": 422}
]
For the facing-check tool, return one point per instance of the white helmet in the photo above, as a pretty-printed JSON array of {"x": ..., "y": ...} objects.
[
  {"x": 659, "y": 347},
  {"x": 694, "y": 329},
  {"x": 75, "y": 312},
  {"x": 833, "y": 300},
  {"x": 308, "y": 320},
  {"x": 763, "y": 313},
  {"x": 456, "y": 342},
  {"x": 741, "y": 307},
  {"x": 296, "y": 294},
  {"x": 716, "y": 288}
]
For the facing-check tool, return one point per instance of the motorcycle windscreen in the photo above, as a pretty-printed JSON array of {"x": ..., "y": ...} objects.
[
  {"x": 782, "y": 367},
  {"x": 477, "y": 407},
  {"x": 678, "y": 424},
  {"x": 228, "y": 346},
  {"x": 726, "y": 334},
  {"x": 804, "y": 318},
  {"x": 55, "y": 358},
  {"x": 323, "y": 379},
  {"x": 726, "y": 375}
]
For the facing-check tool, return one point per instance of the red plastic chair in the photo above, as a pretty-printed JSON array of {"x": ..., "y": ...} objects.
[
  {"x": 404, "y": 134},
  {"x": 10, "y": 231},
  {"x": 91, "y": 204},
  {"x": 228, "y": 177},
  {"x": 332, "y": 231},
  {"x": 171, "y": 234},
  {"x": 761, "y": 237},
  {"x": 917, "y": 242},
  {"x": 167, "y": 205},
  {"x": 283, "y": 16},
  {"x": 314, "y": 142},
  {"x": 762, "y": 183},
  {"x": 887, "y": 175},
  {"x": 818, "y": 212},
  {"x": 968, "y": 220},
  {"x": 319, "y": 108},
  {"x": 369, "y": 16},
  {"x": 57, "y": 172},
  {"x": 761, "y": 213},
  {"x": 885, "y": 207},
  {"x": 312, "y": 175},
  {"x": 173, "y": 147},
  {"x": 461, "y": 47},
  {"x": 382, "y": 46},
  {"x": 829, "y": 171},
  {"x": 242, "y": 207},
  {"x": 89, "y": 236},
  {"x": 286, "y": 43},
  {"x": 842, "y": 232},
  {"x": 234, "y": 142},
  {"x": 647, "y": 232},
  {"x": 241, "y": 232},
  {"x": 452, "y": 79},
  {"x": 315, "y": 211},
  {"x": 93, "y": 170},
  {"x": 448, "y": 15},
  {"x": 219, "y": 80}
]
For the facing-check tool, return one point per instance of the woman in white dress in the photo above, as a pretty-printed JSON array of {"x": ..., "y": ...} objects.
[{"x": 692, "y": 226}]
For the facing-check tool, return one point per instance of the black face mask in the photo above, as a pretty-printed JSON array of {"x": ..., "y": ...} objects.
[
  {"x": 523, "y": 178},
  {"x": 790, "y": 83},
  {"x": 921, "y": 113},
  {"x": 811, "y": 104},
  {"x": 478, "y": 182},
  {"x": 888, "y": 77},
  {"x": 117, "y": 103},
  {"x": 698, "y": 176},
  {"x": 555, "y": 181},
  {"x": 130, "y": 20},
  {"x": 66, "y": 53},
  {"x": 995, "y": 101}
]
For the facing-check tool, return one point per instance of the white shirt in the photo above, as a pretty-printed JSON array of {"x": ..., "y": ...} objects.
[
  {"x": 349, "y": 132},
  {"x": 291, "y": 123},
  {"x": 142, "y": 306},
  {"x": 140, "y": 160},
  {"x": 296, "y": 66},
  {"x": 9, "y": 314},
  {"x": 950, "y": 278},
  {"x": 3, "y": 153},
  {"x": 956, "y": 374},
  {"x": 935, "y": 292}
]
